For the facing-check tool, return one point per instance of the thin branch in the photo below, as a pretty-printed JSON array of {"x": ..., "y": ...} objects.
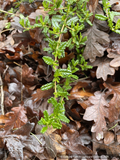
[{"x": 2, "y": 95}]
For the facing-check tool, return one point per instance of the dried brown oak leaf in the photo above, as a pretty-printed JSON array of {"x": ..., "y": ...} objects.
[
  {"x": 41, "y": 94},
  {"x": 97, "y": 42},
  {"x": 97, "y": 112},
  {"x": 104, "y": 68},
  {"x": 116, "y": 61},
  {"x": 14, "y": 119},
  {"x": 114, "y": 104},
  {"x": 114, "y": 50},
  {"x": 78, "y": 93},
  {"x": 71, "y": 139},
  {"x": 27, "y": 77}
]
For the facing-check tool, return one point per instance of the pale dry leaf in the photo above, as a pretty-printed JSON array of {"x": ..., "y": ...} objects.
[
  {"x": 104, "y": 69},
  {"x": 97, "y": 112}
]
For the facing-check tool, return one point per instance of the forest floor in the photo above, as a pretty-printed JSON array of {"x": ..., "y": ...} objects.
[{"x": 94, "y": 102}]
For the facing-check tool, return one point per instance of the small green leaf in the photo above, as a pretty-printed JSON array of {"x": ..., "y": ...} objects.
[
  {"x": 63, "y": 118},
  {"x": 21, "y": 21},
  {"x": 112, "y": 14},
  {"x": 101, "y": 17},
  {"x": 65, "y": 72},
  {"x": 56, "y": 125},
  {"x": 72, "y": 20},
  {"x": 48, "y": 60},
  {"x": 44, "y": 129},
  {"x": 58, "y": 3},
  {"x": 46, "y": 115},
  {"x": 53, "y": 101},
  {"x": 117, "y": 31},
  {"x": 47, "y": 86}
]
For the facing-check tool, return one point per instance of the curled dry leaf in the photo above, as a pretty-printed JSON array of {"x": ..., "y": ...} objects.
[
  {"x": 114, "y": 93},
  {"x": 97, "y": 112},
  {"x": 109, "y": 138},
  {"x": 27, "y": 75}
]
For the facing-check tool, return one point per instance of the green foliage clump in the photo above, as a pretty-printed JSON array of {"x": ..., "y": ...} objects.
[
  {"x": 109, "y": 17},
  {"x": 70, "y": 16}
]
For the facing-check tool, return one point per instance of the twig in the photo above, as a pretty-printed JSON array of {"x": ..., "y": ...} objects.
[
  {"x": 21, "y": 80},
  {"x": 2, "y": 95}
]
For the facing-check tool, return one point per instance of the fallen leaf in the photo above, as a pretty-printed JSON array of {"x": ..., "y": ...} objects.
[
  {"x": 27, "y": 75},
  {"x": 14, "y": 119},
  {"x": 104, "y": 68},
  {"x": 97, "y": 42},
  {"x": 109, "y": 138},
  {"x": 97, "y": 112},
  {"x": 72, "y": 141},
  {"x": 14, "y": 146},
  {"x": 41, "y": 94},
  {"x": 114, "y": 92},
  {"x": 80, "y": 91}
]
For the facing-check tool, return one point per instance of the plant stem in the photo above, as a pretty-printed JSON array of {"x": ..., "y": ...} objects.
[
  {"x": 7, "y": 12},
  {"x": 59, "y": 40}
]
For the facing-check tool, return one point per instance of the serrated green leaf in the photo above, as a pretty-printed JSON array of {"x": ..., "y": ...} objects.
[
  {"x": 65, "y": 72},
  {"x": 48, "y": 60},
  {"x": 74, "y": 76},
  {"x": 117, "y": 31},
  {"x": 53, "y": 101},
  {"x": 47, "y": 86},
  {"x": 63, "y": 118},
  {"x": 21, "y": 21},
  {"x": 69, "y": 42},
  {"x": 55, "y": 20},
  {"x": 58, "y": 3},
  {"x": 72, "y": 20},
  {"x": 89, "y": 22},
  {"x": 62, "y": 46},
  {"x": 112, "y": 14},
  {"x": 56, "y": 125},
  {"x": 40, "y": 122},
  {"x": 46, "y": 115},
  {"x": 101, "y": 17},
  {"x": 44, "y": 129}
]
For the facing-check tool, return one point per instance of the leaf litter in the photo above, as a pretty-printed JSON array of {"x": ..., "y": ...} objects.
[{"x": 93, "y": 106}]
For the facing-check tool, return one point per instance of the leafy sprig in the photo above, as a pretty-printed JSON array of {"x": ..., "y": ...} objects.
[
  {"x": 62, "y": 18},
  {"x": 109, "y": 17}
]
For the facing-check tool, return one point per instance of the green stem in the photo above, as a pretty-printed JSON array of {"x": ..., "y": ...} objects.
[
  {"x": 7, "y": 12},
  {"x": 59, "y": 40}
]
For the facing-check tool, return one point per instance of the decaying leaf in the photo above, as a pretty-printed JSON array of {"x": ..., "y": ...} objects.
[
  {"x": 114, "y": 107},
  {"x": 14, "y": 119},
  {"x": 97, "y": 42},
  {"x": 41, "y": 94},
  {"x": 104, "y": 68},
  {"x": 109, "y": 138},
  {"x": 72, "y": 141},
  {"x": 97, "y": 112}
]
